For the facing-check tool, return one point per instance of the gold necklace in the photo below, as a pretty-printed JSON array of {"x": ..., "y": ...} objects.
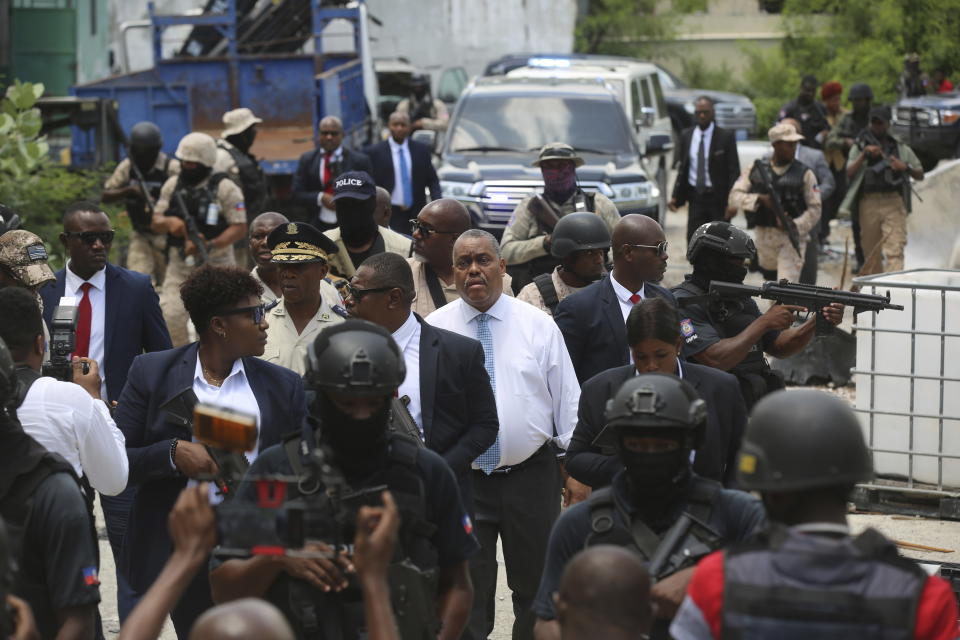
[{"x": 212, "y": 379}]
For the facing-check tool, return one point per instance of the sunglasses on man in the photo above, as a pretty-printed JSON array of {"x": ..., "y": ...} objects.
[
  {"x": 90, "y": 237},
  {"x": 660, "y": 247}
]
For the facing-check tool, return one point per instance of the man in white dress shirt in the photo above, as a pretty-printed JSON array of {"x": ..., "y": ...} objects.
[{"x": 517, "y": 480}]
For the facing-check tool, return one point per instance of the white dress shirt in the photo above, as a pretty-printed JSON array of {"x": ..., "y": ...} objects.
[
  {"x": 235, "y": 393},
  {"x": 396, "y": 197},
  {"x": 327, "y": 215},
  {"x": 98, "y": 308},
  {"x": 407, "y": 338},
  {"x": 64, "y": 419},
  {"x": 623, "y": 295},
  {"x": 537, "y": 391},
  {"x": 707, "y": 135}
]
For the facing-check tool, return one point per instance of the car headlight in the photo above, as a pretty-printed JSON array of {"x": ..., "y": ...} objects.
[
  {"x": 688, "y": 107},
  {"x": 934, "y": 117},
  {"x": 452, "y": 189}
]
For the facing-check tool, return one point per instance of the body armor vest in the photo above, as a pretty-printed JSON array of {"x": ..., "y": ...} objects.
[
  {"x": 252, "y": 180},
  {"x": 789, "y": 585},
  {"x": 137, "y": 207},
  {"x": 199, "y": 200},
  {"x": 524, "y": 274},
  {"x": 789, "y": 188}
]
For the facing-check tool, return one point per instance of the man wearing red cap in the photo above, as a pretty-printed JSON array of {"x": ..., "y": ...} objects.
[{"x": 830, "y": 93}]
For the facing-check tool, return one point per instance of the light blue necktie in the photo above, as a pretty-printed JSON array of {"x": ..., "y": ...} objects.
[
  {"x": 489, "y": 459},
  {"x": 405, "y": 176}
]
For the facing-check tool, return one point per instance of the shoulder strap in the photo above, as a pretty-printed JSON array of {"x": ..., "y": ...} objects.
[
  {"x": 602, "y": 508},
  {"x": 433, "y": 284},
  {"x": 548, "y": 292}
]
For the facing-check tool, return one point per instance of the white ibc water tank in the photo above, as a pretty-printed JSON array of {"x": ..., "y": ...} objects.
[{"x": 908, "y": 376}]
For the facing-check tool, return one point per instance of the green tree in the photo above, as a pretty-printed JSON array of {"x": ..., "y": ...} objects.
[
  {"x": 22, "y": 149},
  {"x": 630, "y": 27}
]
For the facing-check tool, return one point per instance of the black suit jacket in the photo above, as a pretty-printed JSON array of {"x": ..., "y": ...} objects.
[
  {"x": 307, "y": 183},
  {"x": 132, "y": 321},
  {"x": 592, "y": 325},
  {"x": 422, "y": 174},
  {"x": 457, "y": 405},
  {"x": 154, "y": 379},
  {"x": 726, "y": 420},
  {"x": 723, "y": 165}
]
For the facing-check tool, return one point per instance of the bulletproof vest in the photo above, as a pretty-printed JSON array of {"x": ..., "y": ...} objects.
[
  {"x": 879, "y": 177},
  {"x": 791, "y": 586},
  {"x": 137, "y": 207},
  {"x": 789, "y": 187},
  {"x": 413, "y": 573},
  {"x": 199, "y": 200},
  {"x": 730, "y": 317},
  {"x": 252, "y": 180},
  {"x": 421, "y": 108},
  {"x": 548, "y": 292}
]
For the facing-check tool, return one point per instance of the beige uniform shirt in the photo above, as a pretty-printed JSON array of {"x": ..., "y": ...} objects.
[
  {"x": 423, "y": 302},
  {"x": 341, "y": 264},
  {"x": 741, "y": 197},
  {"x": 225, "y": 162},
  {"x": 328, "y": 292},
  {"x": 531, "y": 294},
  {"x": 229, "y": 197},
  {"x": 121, "y": 175},
  {"x": 438, "y": 122},
  {"x": 523, "y": 237},
  {"x": 285, "y": 346}
]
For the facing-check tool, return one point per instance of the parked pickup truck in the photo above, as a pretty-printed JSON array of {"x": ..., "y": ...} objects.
[{"x": 930, "y": 125}]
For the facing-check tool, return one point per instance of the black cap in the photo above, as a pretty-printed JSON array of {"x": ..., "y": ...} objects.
[
  {"x": 354, "y": 184},
  {"x": 860, "y": 91},
  {"x": 880, "y": 112},
  {"x": 300, "y": 243}
]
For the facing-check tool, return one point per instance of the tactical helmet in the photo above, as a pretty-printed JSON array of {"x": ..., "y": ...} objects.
[
  {"x": 802, "y": 439},
  {"x": 356, "y": 358},
  {"x": 859, "y": 91},
  {"x": 146, "y": 135},
  {"x": 578, "y": 232},
  {"x": 420, "y": 80},
  {"x": 722, "y": 237},
  {"x": 8, "y": 377},
  {"x": 197, "y": 147},
  {"x": 657, "y": 402}
]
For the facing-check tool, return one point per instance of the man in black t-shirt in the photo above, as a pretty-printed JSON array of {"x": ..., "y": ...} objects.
[{"x": 355, "y": 368}]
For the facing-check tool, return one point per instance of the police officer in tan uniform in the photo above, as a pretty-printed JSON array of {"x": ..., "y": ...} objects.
[
  {"x": 527, "y": 237},
  {"x": 796, "y": 186},
  {"x": 212, "y": 202},
  {"x": 146, "y": 253},
  {"x": 301, "y": 253}
]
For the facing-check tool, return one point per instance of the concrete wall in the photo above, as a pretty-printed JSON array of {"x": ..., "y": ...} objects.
[{"x": 93, "y": 41}]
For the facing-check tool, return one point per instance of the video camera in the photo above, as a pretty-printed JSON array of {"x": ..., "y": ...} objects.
[{"x": 63, "y": 339}]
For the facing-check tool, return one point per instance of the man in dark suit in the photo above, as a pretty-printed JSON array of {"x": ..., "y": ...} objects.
[
  {"x": 403, "y": 167},
  {"x": 316, "y": 171},
  {"x": 119, "y": 318},
  {"x": 709, "y": 166},
  {"x": 221, "y": 369},
  {"x": 593, "y": 319},
  {"x": 654, "y": 335},
  {"x": 451, "y": 399}
]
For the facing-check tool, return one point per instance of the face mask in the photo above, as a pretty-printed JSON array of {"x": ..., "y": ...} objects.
[
  {"x": 244, "y": 139},
  {"x": 358, "y": 444},
  {"x": 357, "y": 226},
  {"x": 560, "y": 183},
  {"x": 656, "y": 478},
  {"x": 195, "y": 175},
  {"x": 144, "y": 158},
  {"x": 716, "y": 267}
]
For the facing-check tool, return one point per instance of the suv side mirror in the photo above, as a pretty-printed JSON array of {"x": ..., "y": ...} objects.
[
  {"x": 659, "y": 143},
  {"x": 646, "y": 117}
]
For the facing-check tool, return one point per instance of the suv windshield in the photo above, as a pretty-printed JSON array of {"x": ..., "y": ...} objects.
[{"x": 526, "y": 123}]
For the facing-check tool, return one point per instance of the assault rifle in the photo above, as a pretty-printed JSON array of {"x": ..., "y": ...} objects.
[
  {"x": 193, "y": 233},
  {"x": 891, "y": 177},
  {"x": 763, "y": 172},
  {"x": 543, "y": 212},
  {"x": 402, "y": 422},
  {"x": 811, "y": 297}
]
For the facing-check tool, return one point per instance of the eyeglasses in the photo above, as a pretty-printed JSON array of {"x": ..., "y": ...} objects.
[
  {"x": 660, "y": 247},
  {"x": 91, "y": 237},
  {"x": 259, "y": 312},
  {"x": 702, "y": 112},
  {"x": 426, "y": 231},
  {"x": 357, "y": 294},
  {"x": 331, "y": 134}
]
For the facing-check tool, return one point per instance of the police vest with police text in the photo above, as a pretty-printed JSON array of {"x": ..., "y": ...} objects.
[
  {"x": 199, "y": 200},
  {"x": 785, "y": 584},
  {"x": 789, "y": 187}
]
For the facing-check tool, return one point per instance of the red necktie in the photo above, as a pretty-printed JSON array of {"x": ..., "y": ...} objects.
[
  {"x": 635, "y": 298},
  {"x": 82, "y": 345},
  {"x": 327, "y": 174}
]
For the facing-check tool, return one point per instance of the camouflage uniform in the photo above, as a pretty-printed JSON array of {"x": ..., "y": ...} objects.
[
  {"x": 423, "y": 301},
  {"x": 531, "y": 294}
]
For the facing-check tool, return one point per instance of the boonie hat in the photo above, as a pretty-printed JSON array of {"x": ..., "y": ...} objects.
[
  {"x": 301, "y": 243},
  {"x": 354, "y": 184},
  {"x": 25, "y": 256},
  {"x": 558, "y": 151},
  {"x": 784, "y": 133},
  {"x": 238, "y": 121}
]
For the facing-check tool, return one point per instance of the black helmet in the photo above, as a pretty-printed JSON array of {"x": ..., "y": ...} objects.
[
  {"x": 420, "y": 80},
  {"x": 146, "y": 135},
  {"x": 804, "y": 439},
  {"x": 356, "y": 358},
  {"x": 722, "y": 237},
  {"x": 8, "y": 378},
  {"x": 578, "y": 232},
  {"x": 860, "y": 90},
  {"x": 658, "y": 402}
]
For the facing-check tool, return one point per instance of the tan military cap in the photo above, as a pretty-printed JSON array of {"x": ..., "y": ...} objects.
[
  {"x": 25, "y": 256},
  {"x": 238, "y": 121},
  {"x": 784, "y": 133}
]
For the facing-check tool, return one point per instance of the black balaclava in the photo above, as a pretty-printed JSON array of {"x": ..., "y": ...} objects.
[
  {"x": 711, "y": 265},
  {"x": 355, "y": 217},
  {"x": 144, "y": 157},
  {"x": 196, "y": 175},
  {"x": 655, "y": 480},
  {"x": 244, "y": 139},
  {"x": 360, "y": 446}
]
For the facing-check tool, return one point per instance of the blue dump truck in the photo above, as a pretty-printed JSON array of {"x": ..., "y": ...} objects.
[{"x": 241, "y": 53}]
